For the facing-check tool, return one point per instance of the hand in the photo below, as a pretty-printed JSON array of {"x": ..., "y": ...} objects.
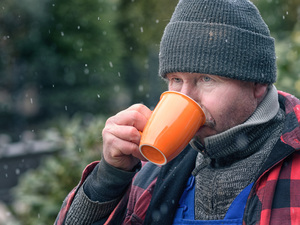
[{"x": 121, "y": 137}]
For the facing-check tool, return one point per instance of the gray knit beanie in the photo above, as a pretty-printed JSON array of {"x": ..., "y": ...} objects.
[{"x": 219, "y": 37}]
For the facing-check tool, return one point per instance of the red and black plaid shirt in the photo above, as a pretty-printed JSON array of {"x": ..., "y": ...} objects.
[{"x": 274, "y": 198}]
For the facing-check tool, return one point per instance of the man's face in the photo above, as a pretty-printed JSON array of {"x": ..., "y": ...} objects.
[{"x": 226, "y": 102}]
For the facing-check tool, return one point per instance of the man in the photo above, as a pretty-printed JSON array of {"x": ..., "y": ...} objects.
[{"x": 244, "y": 164}]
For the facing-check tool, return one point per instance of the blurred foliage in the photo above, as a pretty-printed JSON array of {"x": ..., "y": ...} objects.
[
  {"x": 288, "y": 61},
  {"x": 40, "y": 192},
  {"x": 283, "y": 19},
  {"x": 62, "y": 57},
  {"x": 57, "y": 57},
  {"x": 142, "y": 24}
]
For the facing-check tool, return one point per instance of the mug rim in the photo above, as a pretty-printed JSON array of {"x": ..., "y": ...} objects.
[
  {"x": 185, "y": 96},
  {"x": 161, "y": 164}
]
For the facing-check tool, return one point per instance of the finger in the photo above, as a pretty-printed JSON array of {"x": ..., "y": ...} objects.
[
  {"x": 120, "y": 153},
  {"x": 144, "y": 110},
  {"x": 130, "y": 117},
  {"x": 124, "y": 132},
  {"x": 129, "y": 149}
]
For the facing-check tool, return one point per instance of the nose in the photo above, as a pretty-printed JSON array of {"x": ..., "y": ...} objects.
[
  {"x": 186, "y": 89},
  {"x": 190, "y": 91}
]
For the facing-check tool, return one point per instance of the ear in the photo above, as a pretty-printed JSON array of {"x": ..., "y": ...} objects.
[{"x": 260, "y": 90}]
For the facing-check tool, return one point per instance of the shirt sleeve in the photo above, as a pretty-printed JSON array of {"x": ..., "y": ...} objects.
[
  {"x": 99, "y": 194},
  {"x": 107, "y": 183}
]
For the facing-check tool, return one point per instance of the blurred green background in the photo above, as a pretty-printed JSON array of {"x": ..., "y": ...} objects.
[{"x": 65, "y": 66}]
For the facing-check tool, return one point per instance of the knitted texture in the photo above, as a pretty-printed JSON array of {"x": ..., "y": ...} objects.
[
  {"x": 85, "y": 211},
  {"x": 236, "y": 159},
  {"x": 219, "y": 37}
]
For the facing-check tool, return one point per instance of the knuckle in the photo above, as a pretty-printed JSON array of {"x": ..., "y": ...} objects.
[
  {"x": 106, "y": 130},
  {"x": 114, "y": 154},
  {"x": 133, "y": 134},
  {"x": 138, "y": 107},
  {"x": 109, "y": 121},
  {"x": 134, "y": 115}
]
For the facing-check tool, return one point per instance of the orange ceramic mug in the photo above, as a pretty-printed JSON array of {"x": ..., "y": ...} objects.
[{"x": 173, "y": 123}]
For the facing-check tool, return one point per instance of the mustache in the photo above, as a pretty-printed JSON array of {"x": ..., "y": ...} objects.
[{"x": 210, "y": 122}]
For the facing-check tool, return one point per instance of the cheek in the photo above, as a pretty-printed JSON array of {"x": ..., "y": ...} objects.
[
  {"x": 229, "y": 110},
  {"x": 214, "y": 108}
]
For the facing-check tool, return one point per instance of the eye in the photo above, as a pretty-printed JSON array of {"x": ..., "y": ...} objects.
[
  {"x": 206, "y": 78},
  {"x": 176, "y": 80}
]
